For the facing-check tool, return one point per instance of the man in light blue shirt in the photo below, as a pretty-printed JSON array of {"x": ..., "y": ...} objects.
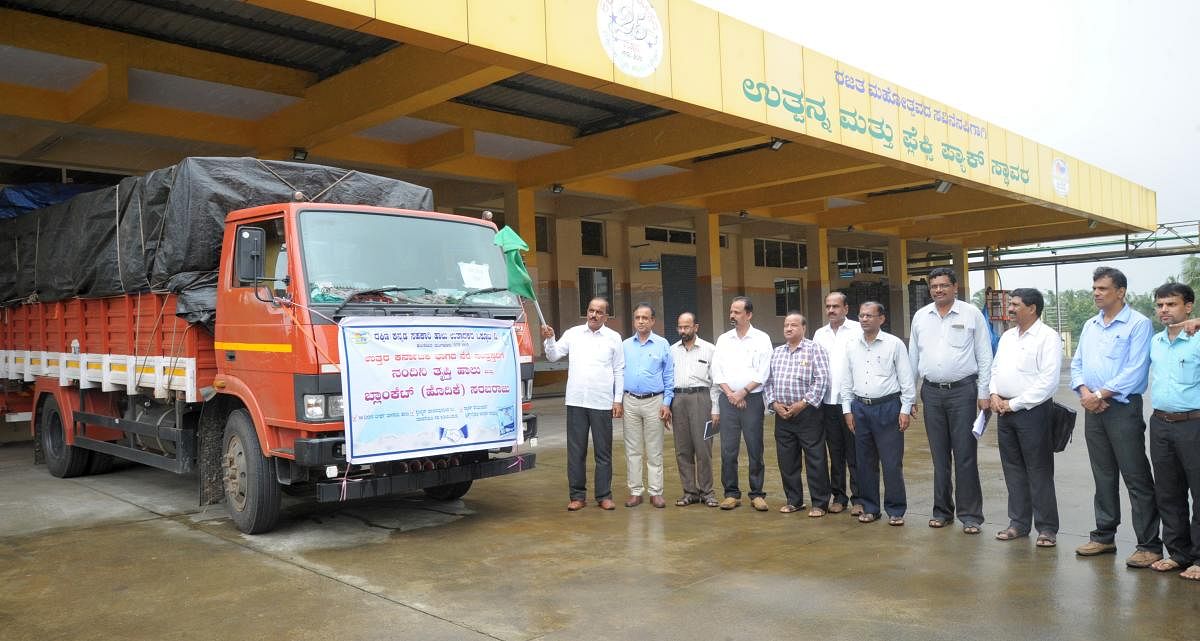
[
  {"x": 1109, "y": 372},
  {"x": 649, "y": 390},
  {"x": 1175, "y": 429}
]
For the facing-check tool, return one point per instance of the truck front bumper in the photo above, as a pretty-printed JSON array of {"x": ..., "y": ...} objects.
[{"x": 333, "y": 490}]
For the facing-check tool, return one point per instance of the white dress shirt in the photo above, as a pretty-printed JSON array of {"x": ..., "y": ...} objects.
[
  {"x": 693, "y": 368},
  {"x": 739, "y": 360},
  {"x": 835, "y": 344},
  {"x": 878, "y": 369},
  {"x": 1027, "y": 366},
  {"x": 596, "y": 369},
  {"x": 951, "y": 348}
]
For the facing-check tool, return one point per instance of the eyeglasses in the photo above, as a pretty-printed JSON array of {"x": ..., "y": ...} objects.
[
  {"x": 862, "y": 316},
  {"x": 942, "y": 286}
]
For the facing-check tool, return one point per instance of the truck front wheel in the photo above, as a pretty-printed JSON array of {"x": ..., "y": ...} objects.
[
  {"x": 63, "y": 461},
  {"x": 251, "y": 489}
]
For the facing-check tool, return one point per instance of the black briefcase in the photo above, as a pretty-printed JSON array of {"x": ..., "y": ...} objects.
[{"x": 1062, "y": 424}]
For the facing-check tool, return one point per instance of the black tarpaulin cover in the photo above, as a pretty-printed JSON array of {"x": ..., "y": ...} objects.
[{"x": 143, "y": 233}]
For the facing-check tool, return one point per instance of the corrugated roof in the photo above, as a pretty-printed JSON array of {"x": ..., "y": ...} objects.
[
  {"x": 588, "y": 111},
  {"x": 224, "y": 26}
]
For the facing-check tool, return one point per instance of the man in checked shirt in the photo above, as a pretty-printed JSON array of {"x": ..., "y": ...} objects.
[{"x": 794, "y": 392}]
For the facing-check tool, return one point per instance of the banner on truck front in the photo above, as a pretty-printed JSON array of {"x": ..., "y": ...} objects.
[{"x": 422, "y": 386}]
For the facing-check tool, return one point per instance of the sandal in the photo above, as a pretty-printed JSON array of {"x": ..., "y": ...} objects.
[
  {"x": 937, "y": 523},
  {"x": 866, "y": 518},
  {"x": 789, "y": 508},
  {"x": 1165, "y": 565},
  {"x": 712, "y": 502},
  {"x": 1192, "y": 573},
  {"x": 896, "y": 521},
  {"x": 816, "y": 513},
  {"x": 687, "y": 499},
  {"x": 970, "y": 529},
  {"x": 1007, "y": 535},
  {"x": 1046, "y": 540}
]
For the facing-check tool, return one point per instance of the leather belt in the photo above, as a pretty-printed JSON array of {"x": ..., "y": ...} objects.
[
  {"x": 876, "y": 401},
  {"x": 642, "y": 397},
  {"x": 1177, "y": 417},
  {"x": 690, "y": 390},
  {"x": 970, "y": 380}
]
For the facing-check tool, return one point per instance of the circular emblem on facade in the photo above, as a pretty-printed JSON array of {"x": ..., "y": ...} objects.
[
  {"x": 631, "y": 35},
  {"x": 1061, "y": 176}
]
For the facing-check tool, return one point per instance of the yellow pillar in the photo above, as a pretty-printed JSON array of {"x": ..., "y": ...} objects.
[
  {"x": 817, "y": 286},
  {"x": 964, "y": 276},
  {"x": 899, "y": 313},
  {"x": 710, "y": 288}
]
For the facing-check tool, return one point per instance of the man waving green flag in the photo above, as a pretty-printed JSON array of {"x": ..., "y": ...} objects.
[{"x": 519, "y": 281}]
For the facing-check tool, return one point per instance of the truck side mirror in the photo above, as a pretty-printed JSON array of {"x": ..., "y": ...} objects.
[{"x": 248, "y": 260}]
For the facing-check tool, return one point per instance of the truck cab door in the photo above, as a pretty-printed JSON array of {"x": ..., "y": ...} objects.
[{"x": 255, "y": 335}]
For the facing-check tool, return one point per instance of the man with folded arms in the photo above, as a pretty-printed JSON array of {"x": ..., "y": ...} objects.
[
  {"x": 649, "y": 389},
  {"x": 794, "y": 390},
  {"x": 877, "y": 401},
  {"x": 1025, "y": 374},
  {"x": 695, "y": 405},
  {"x": 1109, "y": 372},
  {"x": 741, "y": 362},
  {"x": 951, "y": 349},
  {"x": 594, "y": 383},
  {"x": 1175, "y": 429}
]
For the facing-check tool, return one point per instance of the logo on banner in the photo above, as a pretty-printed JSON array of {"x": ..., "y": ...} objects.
[
  {"x": 631, "y": 35},
  {"x": 1061, "y": 177}
]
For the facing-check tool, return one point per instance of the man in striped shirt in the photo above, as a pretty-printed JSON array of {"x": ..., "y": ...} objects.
[{"x": 794, "y": 391}]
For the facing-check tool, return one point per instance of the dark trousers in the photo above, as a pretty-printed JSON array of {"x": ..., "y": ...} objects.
[
  {"x": 1175, "y": 453},
  {"x": 878, "y": 439},
  {"x": 949, "y": 417},
  {"x": 1117, "y": 449},
  {"x": 693, "y": 453},
  {"x": 581, "y": 420},
  {"x": 803, "y": 434},
  {"x": 1027, "y": 456},
  {"x": 839, "y": 441},
  {"x": 736, "y": 424}
]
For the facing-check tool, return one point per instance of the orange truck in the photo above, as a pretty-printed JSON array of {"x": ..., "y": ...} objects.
[{"x": 243, "y": 389}]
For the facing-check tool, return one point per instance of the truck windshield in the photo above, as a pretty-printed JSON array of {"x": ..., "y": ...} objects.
[{"x": 396, "y": 259}]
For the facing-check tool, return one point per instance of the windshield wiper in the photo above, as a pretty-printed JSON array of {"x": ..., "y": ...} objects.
[
  {"x": 378, "y": 290},
  {"x": 485, "y": 290}
]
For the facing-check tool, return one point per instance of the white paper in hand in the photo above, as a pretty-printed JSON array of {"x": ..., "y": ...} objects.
[{"x": 981, "y": 422}]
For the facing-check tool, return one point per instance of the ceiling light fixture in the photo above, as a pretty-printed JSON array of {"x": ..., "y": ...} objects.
[
  {"x": 777, "y": 143},
  {"x": 743, "y": 214},
  {"x": 557, "y": 188},
  {"x": 300, "y": 154},
  {"x": 1092, "y": 224},
  {"x": 943, "y": 186}
]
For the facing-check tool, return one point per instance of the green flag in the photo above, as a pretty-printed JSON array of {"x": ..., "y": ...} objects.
[{"x": 511, "y": 244}]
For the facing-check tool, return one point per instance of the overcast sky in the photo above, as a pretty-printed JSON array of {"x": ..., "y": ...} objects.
[{"x": 1112, "y": 82}]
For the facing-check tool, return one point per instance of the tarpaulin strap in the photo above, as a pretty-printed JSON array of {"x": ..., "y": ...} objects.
[
  {"x": 117, "y": 227},
  {"x": 332, "y": 185}
]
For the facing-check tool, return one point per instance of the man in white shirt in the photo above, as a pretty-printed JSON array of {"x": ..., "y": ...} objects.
[
  {"x": 595, "y": 383},
  {"x": 877, "y": 401},
  {"x": 1025, "y": 374},
  {"x": 694, "y": 408},
  {"x": 838, "y": 439},
  {"x": 741, "y": 362},
  {"x": 951, "y": 348}
]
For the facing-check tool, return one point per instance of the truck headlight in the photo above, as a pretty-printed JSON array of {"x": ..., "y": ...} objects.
[
  {"x": 314, "y": 406},
  {"x": 336, "y": 406}
]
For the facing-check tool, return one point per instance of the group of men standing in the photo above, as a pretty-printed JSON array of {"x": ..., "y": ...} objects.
[{"x": 843, "y": 400}]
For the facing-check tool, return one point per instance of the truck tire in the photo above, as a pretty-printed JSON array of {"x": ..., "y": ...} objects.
[
  {"x": 251, "y": 489},
  {"x": 448, "y": 492},
  {"x": 101, "y": 463},
  {"x": 64, "y": 461}
]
